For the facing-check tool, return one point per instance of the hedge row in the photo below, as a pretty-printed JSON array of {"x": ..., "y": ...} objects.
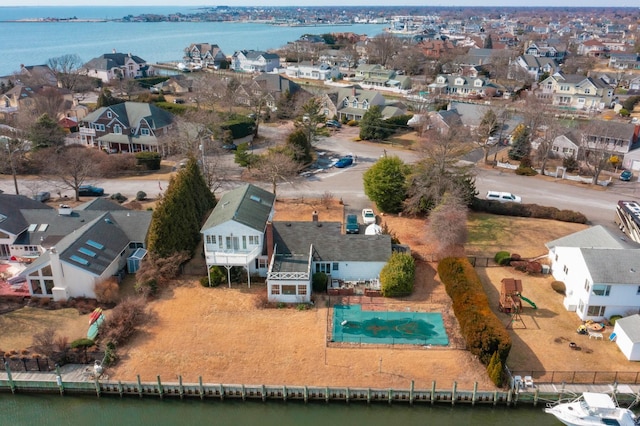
[
  {"x": 482, "y": 330},
  {"x": 527, "y": 210}
]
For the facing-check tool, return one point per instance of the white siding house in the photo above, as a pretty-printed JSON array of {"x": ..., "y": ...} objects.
[
  {"x": 627, "y": 336},
  {"x": 234, "y": 233},
  {"x": 601, "y": 275}
]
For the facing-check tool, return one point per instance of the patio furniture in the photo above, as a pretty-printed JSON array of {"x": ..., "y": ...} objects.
[
  {"x": 595, "y": 335},
  {"x": 528, "y": 382}
]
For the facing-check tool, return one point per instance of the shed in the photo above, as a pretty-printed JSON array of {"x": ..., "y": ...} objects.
[
  {"x": 133, "y": 261},
  {"x": 627, "y": 335}
]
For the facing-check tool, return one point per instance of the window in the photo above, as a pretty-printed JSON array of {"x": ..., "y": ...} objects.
[
  {"x": 601, "y": 290},
  {"x": 581, "y": 306},
  {"x": 275, "y": 289},
  {"x": 228, "y": 239},
  {"x": 35, "y": 287},
  {"x": 211, "y": 239},
  {"x": 220, "y": 241},
  {"x": 133, "y": 245},
  {"x": 565, "y": 269},
  {"x": 323, "y": 267},
  {"x": 254, "y": 240},
  {"x": 335, "y": 266},
  {"x": 302, "y": 290},
  {"x": 48, "y": 286},
  {"x": 98, "y": 127},
  {"x": 638, "y": 291},
  {"x": 289, "y": 289},
  {"x": 95, "y": 244},
  {"x": 145, "y": 132},
  {"x": 117, "y": 129},
  {"x": 586, "y": 285},
  {"x": 244, "y": 242},
  {"x": 261, "y": 263},
  {"x": 587, "y": 91},
  {"x": 354, "y": 103},
  {"x": 596, "y": 311},
  {"x": 109, "y": 114}
]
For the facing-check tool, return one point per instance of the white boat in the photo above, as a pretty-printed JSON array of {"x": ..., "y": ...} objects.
[{"x": 592, "y": 409}]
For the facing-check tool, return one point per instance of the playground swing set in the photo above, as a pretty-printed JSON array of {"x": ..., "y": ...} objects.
[{"x": 511, "y": 300}]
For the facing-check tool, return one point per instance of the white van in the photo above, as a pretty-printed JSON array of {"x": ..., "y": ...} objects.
[{"x": 503, "y": 197}]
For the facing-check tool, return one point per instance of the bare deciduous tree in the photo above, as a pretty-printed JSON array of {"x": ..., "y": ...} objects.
[
  {"x": 382, "y": 48},
  {"x": 276, "y": 166},
  {"x": 448, "y": 224},
  {"x": 71, "y": 166},
  {"x": 67, "y": 69}
]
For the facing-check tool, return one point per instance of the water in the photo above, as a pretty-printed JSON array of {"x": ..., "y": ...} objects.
[
  {"x": 33, "y": 43},
  {"x": 45, "y": 410}
]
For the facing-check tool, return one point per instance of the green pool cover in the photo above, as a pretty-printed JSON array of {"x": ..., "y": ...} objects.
[{"x": 352, "y": 324}]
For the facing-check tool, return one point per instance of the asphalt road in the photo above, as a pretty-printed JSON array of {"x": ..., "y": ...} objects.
[{"x": 598, "y": 204}]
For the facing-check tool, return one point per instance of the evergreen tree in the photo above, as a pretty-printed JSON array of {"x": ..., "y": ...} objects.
[
  {"x": 45, "y": 133},
  {"x": 385, "y": 184},
  {"x": 521, "y": 146},
  {"x": 300, "y": 147},
  {"x": 372, "y": 126},
  {"x": 488, "y": 42},
  {"x": 311, "y": 117}
]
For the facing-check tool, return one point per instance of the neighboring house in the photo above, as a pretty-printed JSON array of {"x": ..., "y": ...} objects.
[
  {"x": 610, "y": 136},
  {"x": 313, "y": 71},
  {"x": 353, "y": 102},
  {"x": 39, "y": 75},
  {"x": 627, "y": 336},
  {"x": 177, "y": 84},
  {"x": 266, "y": 89},
  {"x": 624, "y": 61},
  {"x": 445, "y": 120},
  {"x": 254, "y": 61},
  {"x": 376, "y": 76},
  {"x": 536, "y": 66},
  {"x": 234, "y": 232},
  {"x": 25, "y": 97},
  {"x": 126, "y": 127},
  {"x": 205, "y": 55},
  {"x": 434, "y": 49},
  {"x": 117, "y": 66},
  {"x": 567, "y": 145},
  {"x": 576, "y": 91},
  {"x": 599, "y": 271},
  {"x": 593, "y": 47},
  {"x": 464, "y": 86},
  {"x": 69, "y": 250},
  {"x": 543, "y": 51}
]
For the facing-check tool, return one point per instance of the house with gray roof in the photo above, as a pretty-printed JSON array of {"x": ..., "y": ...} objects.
[
  {"x": 353, "y": 102},
  {"x": 240, "y": 232},
  {"x": 66, "y": 252},
  {"x": 254, "y": 61},
  {"x": 126, "y": 127},
  {"x": 205, "y": 55},
  {"x": 626, "y": 333},
  {"x": 600, "y": 273},
  {"x": 576, "y": 91},
  {"x": 536, "y": 66},
  {"x": 117, "y": 66},
  {"x": 468, "y": 87}
]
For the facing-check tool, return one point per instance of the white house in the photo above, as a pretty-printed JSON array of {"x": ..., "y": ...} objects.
[
  {"x": 70, "y": 250},
  {"x": 627, "y": 336},
  {"x": 312, "y": 71},
  {"x": 254, "y": 61},
  {"x": 234, "y": 232},
  {"x": 116, "y": 66},
  {"x": 600, "y": 273},
  {"x": 304, "y": 248},
  {"x": 240, "y": 232}
]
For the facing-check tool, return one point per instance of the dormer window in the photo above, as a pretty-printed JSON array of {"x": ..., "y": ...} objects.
[
  {"x": 477, "y": 83},
  {"x": 346, "y": 102},
  {"x": 354, "y": 103},
  {"x": 459, "y": 82},
  {"x": 117, "y": 129},
  {"x": 365, "y": 104},
  {"x": 145, "y": 132}
]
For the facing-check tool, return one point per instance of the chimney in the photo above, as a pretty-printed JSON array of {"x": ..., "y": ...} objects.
[
  {"x": 353, "y": 90},
  {"x": 269, "y": 235},
  {"x": 314, "y": 216}
]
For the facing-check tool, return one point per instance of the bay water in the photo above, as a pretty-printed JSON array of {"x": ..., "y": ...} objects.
[
  {"x": 55, "y": 410},
  {"x": 33, "y": 43}
]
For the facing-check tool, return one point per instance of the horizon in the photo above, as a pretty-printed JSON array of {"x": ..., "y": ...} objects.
[{"x": 316, "y": 3}]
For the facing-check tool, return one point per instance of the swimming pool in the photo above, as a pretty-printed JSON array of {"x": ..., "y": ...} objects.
[{"x": 352, "y": 324}]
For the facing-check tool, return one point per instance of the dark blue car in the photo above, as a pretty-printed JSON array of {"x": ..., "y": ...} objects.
[
  {"x": 90, "y": 190},
  {"x": 344, "y": 162}
]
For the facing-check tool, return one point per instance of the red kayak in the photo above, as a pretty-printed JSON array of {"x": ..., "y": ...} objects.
[{"x": 95, "y": 315}]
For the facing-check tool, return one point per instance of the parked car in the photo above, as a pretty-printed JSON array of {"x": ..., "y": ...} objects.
[
  {"x": 626, "y": 175},
  {"x": 503, "y": 197},
  {"x": 230, "y": 146},
  {"x": 42, "y": 196},
  {"x": 333, "y": 123},
  {"x": 352, "y": 226},
  {"x": 90, "y": 190},
  {"x": 178, "y": 101},
  {"x": 368, "y": 216},
  {"x": 344, "y": 162}
]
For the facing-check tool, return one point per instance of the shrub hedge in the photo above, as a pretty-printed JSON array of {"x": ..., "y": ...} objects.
[
  {"x": 150, "y": 160},
  {"x": 502, "y": 258},
  {"x": 483, "y": 332},
  {"x": 527, "y": 210},
  {"x": 397, "y": 276}
]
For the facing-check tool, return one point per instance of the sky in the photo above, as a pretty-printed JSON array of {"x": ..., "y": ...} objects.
[{"x": 517, "y": 3}]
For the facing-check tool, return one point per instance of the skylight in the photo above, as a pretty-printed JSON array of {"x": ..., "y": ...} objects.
[
  {"x": 255, "y": 198},
  {"x": 88, "y": 252},
  {"x": 43, "y": 227},
  {"x": 95, "y": 245},
  {"x": 32, "y": 227},
  {"x": 2, "y": 218},
  {"x": 79, "y": 260}
]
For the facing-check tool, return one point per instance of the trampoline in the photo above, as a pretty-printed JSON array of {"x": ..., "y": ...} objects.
[{"x": 352, "y": 324}]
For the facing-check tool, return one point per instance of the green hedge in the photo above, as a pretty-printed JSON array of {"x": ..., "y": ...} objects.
[
  {"x": 150, "y": 160},
  {"x": 240, "y": 126},
  {"x": 483, "y": 332},
  {"x": 502, "y": 257},
  {"x": 397, "y": 276},
  {"x": 527, "y": 210},
  {"x": 319, "y": 282}
]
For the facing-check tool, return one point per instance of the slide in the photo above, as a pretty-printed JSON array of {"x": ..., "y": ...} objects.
[{"x": 529, "y": 302}]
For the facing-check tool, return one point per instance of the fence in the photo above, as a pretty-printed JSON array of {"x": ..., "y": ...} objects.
[
  {"x": 581, "y": 377},
  {"x": 28, "y": 363}
]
